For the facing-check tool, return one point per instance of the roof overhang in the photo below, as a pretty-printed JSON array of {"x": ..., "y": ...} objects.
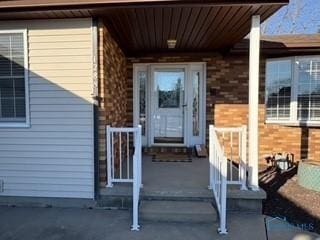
[
  {"x": 144, "y": 26},
  {"x": 85, "y": 4},
  {"x": 283, "y": 45}
]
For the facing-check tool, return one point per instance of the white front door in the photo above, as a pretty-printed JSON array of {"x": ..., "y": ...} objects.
[
  {"x": 167, "y": 106},
  {"x": 169, "y": 103}
]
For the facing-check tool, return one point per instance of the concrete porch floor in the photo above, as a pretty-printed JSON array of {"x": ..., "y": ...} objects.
[
  {"x": 83, "y": 224},
  {"x": 178, "y": 179},
  {"x": 175, "y": 175}
]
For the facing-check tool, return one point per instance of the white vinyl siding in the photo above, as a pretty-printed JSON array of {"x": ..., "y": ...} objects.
[{"x": 54, "y": 156}]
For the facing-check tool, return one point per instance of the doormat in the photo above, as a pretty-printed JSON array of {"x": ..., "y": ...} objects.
[{"x": 171, "y": 157}]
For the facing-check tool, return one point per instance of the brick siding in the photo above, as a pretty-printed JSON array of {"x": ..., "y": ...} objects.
[{"x": 112, "y": 90}]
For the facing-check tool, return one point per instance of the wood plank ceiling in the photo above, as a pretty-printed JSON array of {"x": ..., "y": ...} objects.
[{"x": 196, "y": 29}]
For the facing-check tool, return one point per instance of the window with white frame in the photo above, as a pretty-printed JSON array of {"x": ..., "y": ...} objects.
[
  {"x": 278, "y": 89},
  {"x": 308, "y": 90},
  {"x": 12, "y": 77},
  {"x": 293, "y": 90}
]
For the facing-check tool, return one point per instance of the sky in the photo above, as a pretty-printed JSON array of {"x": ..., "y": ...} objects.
[{"x": 299, "y": 17}]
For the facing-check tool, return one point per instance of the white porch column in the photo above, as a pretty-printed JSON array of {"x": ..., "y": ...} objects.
[{"x": 254, "y": 56}]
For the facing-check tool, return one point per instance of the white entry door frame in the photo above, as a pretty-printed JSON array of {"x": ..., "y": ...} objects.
[{"x": 188, "y": 116}]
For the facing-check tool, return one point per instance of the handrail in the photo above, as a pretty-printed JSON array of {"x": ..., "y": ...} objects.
[
  {"x": 237, "y": 151},
  {"x": 118, "y": 151},
  {"x": 220, "y": 159},
  {"x": 218, "y": 177},
  {"x": 119, "y": 145}
]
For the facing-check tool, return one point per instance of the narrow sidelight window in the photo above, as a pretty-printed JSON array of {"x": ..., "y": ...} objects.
[
  {"x": 196, "y": 103},
  {"x": 142, "y": 78}
]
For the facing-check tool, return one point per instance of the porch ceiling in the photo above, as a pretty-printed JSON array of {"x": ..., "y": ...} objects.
[
  {"x": 146, "y": 30},
  {"x": 144, "y": 26}
]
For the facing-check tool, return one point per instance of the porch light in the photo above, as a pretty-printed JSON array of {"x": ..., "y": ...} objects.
[{"x": 171, "y": 43}]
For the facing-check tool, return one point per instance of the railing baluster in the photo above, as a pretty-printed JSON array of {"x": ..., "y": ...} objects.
[
  {"x": 112, "y": 154},
  {"x": 222, "y": 141},
  {"x": 128, "y": 156},
  {"x": 231, "y": 156},
  {"x": 244, "y": 158},
  {"x": 109, "y": 164},
  {"x": 217, "y": 171},
  {"x": 211, "y": 156},
  {"x": 120, "y": 155},
  {"x": 239, "y": 155}
]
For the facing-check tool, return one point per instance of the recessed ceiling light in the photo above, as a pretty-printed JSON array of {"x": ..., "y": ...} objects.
[{"x": 171, "y": 43}]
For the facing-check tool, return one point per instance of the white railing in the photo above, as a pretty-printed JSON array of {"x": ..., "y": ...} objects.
[
  {"x": 123, "y": 166},
  {"x": 218, "y": 177},
  {"x": 227, "y": 146},
  {"x": 233, "y": 143}
]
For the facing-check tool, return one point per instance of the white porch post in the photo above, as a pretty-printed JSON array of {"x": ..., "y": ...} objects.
[{"x": 254, "y": 56}]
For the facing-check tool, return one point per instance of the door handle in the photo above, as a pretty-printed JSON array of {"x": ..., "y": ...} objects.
[{"x": 184, "y": 105}]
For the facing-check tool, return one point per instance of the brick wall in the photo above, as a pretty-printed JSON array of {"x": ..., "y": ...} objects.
[
  {"x": 227, "y": 99},
  {"x": 112, "y": 90}
]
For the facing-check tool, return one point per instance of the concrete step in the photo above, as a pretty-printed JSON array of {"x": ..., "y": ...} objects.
[
  {"x": 120, "y": 196},
  {"x": 177, "y": 211},
  {"x": 190, "y": 194},
  {"x": 245, "y": 200}
]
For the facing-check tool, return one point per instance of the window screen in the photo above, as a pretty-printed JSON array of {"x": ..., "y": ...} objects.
[{"x": 12, "y": 78}]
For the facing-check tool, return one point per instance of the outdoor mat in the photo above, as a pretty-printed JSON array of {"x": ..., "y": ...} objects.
[{"x": 171, "y": 157}]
